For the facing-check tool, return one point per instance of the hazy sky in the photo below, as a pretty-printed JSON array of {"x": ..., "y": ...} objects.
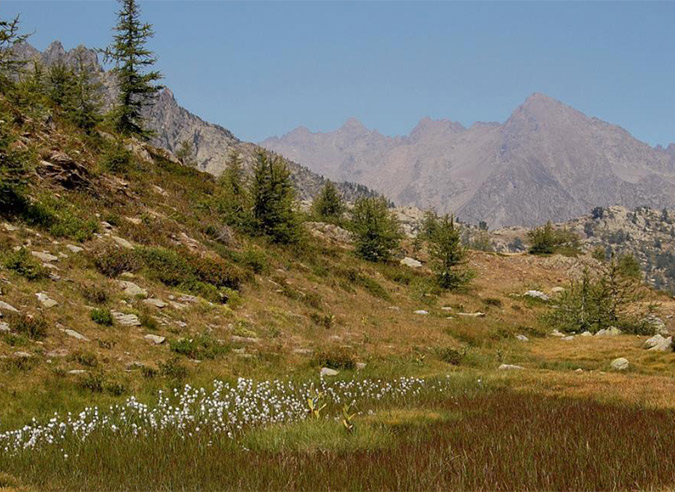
[{"x": 263, "y": 68}]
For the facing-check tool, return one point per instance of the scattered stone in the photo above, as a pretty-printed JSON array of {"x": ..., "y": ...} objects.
[
  {"x": 107, "y": 225},
  {"x": 612, "y": 331},
  {"x": 74, "y": 249},
  {"x": 46, "y": 301},
  {"x": 394, "y": 308},
  {"x": 510, "y": 367},
  {"x": 155, "y": 339},
  {"x": 239, "y": 351},
  {"x": 422, "y": 312},
  {"x": 446, "y": 308},
  {"x": 44, "y": 256},
  {"x": 4, "y": 327},
  {"x": 411, "y": 262},
  {"x": 126, "y": 319},
  {"x": 122, "y": 242},
  {"x": 76, "y": 335},
  {"x": 657, "y": 325},
  {"x": 22, "y": 355},
  {"x": 303, "y": 351},
  {"x": 76, "y": 372},
  {"x": 522, "y": 338},
  {"x": 238, "y": 339},
  {"x": 188, "y": 298},
  {"x": 579, "y": 370},
  {"x": 620, "y": 364},
  {"x": 537, "y": 294},
  {"x": 568, "y": 338},
  {"x": 179, "y": 306},
  {"x": 586, "y": 334},
  {"x": 360, "y": 366},
  {"x": 335, "y": 338},
  {"x": 473, "y": 315},
  {"x": 658, "y": 343},
  {"x": 158, "y": 303},
  {"x": 557, "y": 290},
  {"x": 131, "y": 289},
  {"x": 57, "y": 353},
  {"x": 8, "y": 307},
  {"x": 327, "y": 371},
  {"x": 9, "y": 227}
]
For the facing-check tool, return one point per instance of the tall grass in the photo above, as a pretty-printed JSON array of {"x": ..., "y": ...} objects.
[{"x": 455, "y": 437}]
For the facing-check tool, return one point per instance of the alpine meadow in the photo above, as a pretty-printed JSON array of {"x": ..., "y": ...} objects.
[{"x": 465, "y": 306}]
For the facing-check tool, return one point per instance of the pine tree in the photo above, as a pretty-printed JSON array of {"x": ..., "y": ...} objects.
[
  {"x": 328, "y": 205},
  {"x": 376, "y": 229},
  {"x": 61, "y": 85},
  {"x": 10, "y": 67},
  {"x": 133, "y": 62},
  {"x": 234, "y": 201},
  {"x": 273, "y": 199},
  {"x": 86, "y": 102},
  {"x": 445, "y": 248}
]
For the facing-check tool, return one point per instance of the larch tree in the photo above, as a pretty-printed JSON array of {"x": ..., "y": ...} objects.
[{"x": 133, "y": 68}]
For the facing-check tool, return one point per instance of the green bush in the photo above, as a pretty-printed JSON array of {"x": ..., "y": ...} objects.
[
  {"x": 255, "y": 259},
  {"x": 202, "y": 346},
  {"x": 22, "y": 263},
  {"x": 546, "y": 240},
  {"x": 216, "y": 272},
  {"x": 336, "y": 358},
  {"x": 173, "y": 369},
  {"x": 102, "y": 317},
  {"x": 451, "y": 355},
  {"x": 166, "y": 265},
  {"x": 84, "y": 358},
  {"x": 70, "y": 226},
  {"x": 33, "y": 327},
  {"x": 112, "y": 261},
  {"x": 116, "y": 159}
]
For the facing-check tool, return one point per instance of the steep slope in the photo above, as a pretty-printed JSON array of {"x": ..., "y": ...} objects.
[
  {"x": 547, "y": 161},
  {"x": 173, "y": 125}
]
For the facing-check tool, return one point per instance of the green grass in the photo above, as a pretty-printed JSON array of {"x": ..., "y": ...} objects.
[{"x": 481, "y": 440}]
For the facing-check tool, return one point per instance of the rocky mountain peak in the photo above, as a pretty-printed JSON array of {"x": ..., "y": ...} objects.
[
  {"x": 353, "y": 125},
  {"x": 430, "y": 127}
]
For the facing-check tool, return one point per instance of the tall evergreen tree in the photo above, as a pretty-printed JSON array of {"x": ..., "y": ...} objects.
[
  {"x": 9, "y": 38},
  {"x": 328, "y": 205},
  {"x": 87, "y": 99},
  {"x": 274, "y": 199},
  {"x": 234, "y": 201},
  {"x": 133, "y": 63},
  {"x": 445, "y": 249},
  {"x": 377, "y": 232}
]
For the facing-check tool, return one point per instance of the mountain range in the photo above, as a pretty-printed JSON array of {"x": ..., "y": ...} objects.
[
  {"x": 547, "y": 161},
  {"x": 172, "y": 125}
]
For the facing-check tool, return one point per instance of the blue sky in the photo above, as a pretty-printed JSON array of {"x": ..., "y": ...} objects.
[{"x": 263, "y": 68}]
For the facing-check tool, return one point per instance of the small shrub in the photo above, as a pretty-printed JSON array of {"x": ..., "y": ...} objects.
[
  {"x": 216, "y": 272},
  {"x": 173, "y": 369},
  {"x": 93, "y": 382},
  {"x": 200, "y": 347},
  {"x": 166, "y": 265},
  {"x": 148, "y": 321},
  {"x": 33, "y": 327},
  {"x": 241, "y": 330},
  {"x": 255, "y": 259},
  {"x": 95, "y": 293},
  {"x": 116, "y": 387},
  {"x": 87, "y": 359},
  {"x": 451, "y": 355},
  {"x": 112, "y": 261},
  {"x": 72, "y": 227},
  {"x": 324, "y": 320},
  {"x": 22, "y": 263},
  {"x": 116, "y": 159},
  {"x": 492, "y": 301},
  {"x": 102, "y": 317},
  {"x": 149, "y": 372},
  {"x": 336, "y": 358}
]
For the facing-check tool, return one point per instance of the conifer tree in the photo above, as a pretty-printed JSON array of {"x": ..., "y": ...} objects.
[
  {"x": 273, "y": 199},
  {"x": 133, "y": 69},
  {"x": 445, "y": 248},
  {"x": 234, "y": 201},
  {"x": 61, "y": 85},
  {"x": 328, "y": 205},
  {"x": 86, "y": 102},
  {"x": 376, "y": 229},
  {"x": 10, "y": 67}
]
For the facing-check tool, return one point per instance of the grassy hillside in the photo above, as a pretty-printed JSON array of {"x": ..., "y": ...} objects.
[{"x": 125, "y": 282}]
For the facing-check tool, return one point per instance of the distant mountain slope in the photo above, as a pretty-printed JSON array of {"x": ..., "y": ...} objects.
[
  {"x": 173, "y": 124},
  {"x": 547, "y": 161}
]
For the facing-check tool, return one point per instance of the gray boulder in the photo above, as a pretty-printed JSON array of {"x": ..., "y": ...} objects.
[{"x": 620, "y": 364}]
